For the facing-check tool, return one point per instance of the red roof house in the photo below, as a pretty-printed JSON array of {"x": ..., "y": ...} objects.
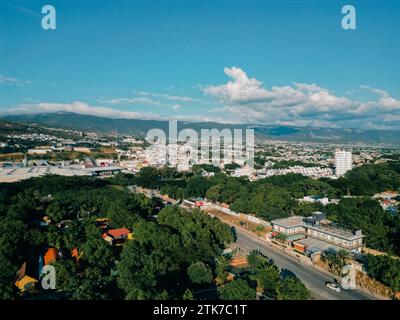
[
  {"x": 116, "y": 236},
  {"x": 118, "y": 233}
]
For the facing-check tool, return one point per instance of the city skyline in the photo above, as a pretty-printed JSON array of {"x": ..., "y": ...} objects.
[{"x": 255, "y": 62}]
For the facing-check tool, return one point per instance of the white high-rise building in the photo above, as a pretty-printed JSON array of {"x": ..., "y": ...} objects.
[{"x": 343, "y": 162}]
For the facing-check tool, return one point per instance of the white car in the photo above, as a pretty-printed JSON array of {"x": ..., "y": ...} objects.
[{"x": 333, "y": 286}]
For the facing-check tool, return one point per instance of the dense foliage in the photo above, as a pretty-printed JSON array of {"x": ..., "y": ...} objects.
[
  {"x": 275, "y": 283},
  {"x": 385, "y": 269},
  {"x": 237, "y": 290},
  {"x": 264, "y": 277},
  {"x": 176, "y": 253},
  {"x": 336, "y": 260},
  {"x": 169, "y": 257},
  {"x": 381, "y": 228},
  {"x": 275, "y": 197},
  {"x": 369, "y": 179}
]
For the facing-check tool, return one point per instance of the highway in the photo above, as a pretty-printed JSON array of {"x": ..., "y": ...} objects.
[{"x": 312, "y": 278}]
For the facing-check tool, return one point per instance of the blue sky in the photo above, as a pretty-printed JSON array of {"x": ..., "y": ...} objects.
[{"x": 278, "y": 61}]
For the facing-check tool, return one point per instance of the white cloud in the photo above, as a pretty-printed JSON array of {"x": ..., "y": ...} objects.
[
  {"x": 145, "y": 101},
  {"x": 6, "y": 80},
  {"x": 142, "y": 101},
  {"x": 176, "y": 107},
  {"x": 246, "y": 100},
  {"x": 86, "y": 109},
  {"x": 77, "y": 107},
  {"x": 379, "y": 92},
  {"x": 168, "y": 96},
  {"x": 13, "y": 81},
  {"x": 243, "y": 99},
  {"x": 307, "y": 87},
  {"x": 240, "y": 89}
]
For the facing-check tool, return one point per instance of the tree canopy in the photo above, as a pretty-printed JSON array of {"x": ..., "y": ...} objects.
[{"x": 237, "y": 290}]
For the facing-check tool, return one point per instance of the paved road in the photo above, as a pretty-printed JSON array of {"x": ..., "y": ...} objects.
[{"x": 312, "y": 278}]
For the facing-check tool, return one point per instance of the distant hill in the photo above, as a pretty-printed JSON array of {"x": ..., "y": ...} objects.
[
  {"x": 267, "y": 132},
  {"x": 88, "y": 123}
]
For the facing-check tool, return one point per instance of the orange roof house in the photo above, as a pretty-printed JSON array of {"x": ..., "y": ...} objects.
[
  {"x": 238, "y": 262},
  {"x": 50, "y": 256},
  {"x": 117, "y": 236},
  {"x": 118, "y": 233},
  {"x": 26, "y": 283}
]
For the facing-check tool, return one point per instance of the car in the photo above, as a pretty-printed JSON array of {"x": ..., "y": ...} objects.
[{"x": 333, "y": 286}]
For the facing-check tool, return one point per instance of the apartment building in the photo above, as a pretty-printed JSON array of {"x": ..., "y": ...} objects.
[{"x": 343, "y": 162}]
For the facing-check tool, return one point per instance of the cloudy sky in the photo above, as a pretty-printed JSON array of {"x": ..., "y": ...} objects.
[{"x": 234, "y": 61}]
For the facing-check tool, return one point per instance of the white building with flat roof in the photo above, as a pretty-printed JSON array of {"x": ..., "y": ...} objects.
[
  {"x": 343, "y": 162},
  {"x": 319, "y": 228}
]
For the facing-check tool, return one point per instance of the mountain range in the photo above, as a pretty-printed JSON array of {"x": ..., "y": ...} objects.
[{"x": 262, "y": 132}]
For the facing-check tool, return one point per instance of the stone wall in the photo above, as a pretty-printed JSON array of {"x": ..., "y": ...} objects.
[{"x": 373, "y": 286}]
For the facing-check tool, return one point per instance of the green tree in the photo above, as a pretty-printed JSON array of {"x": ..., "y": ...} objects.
[
  {"x": 237, "y": 290},
  {"x": 147, "y": 177},
  {"x": 188, "y": 295},
  {"x": 12, "y": 245},
  {"x": 138, "y": 272},
  {"x": 336, "y": 259},
  {"x": 215, "y": 193},
  {"x": 264, "y": 272},
  {"x": 196, "y": 186},
  {"x": 384, "y": 269},
  {"x": 199, "y": 273},
  {"x": 380, "y": 228},
  {"x": 221, "y": 269},
  {"x": 291, "y": 288}
]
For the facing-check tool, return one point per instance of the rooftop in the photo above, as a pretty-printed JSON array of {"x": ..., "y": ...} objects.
[
  {"x": 298, "y": 221},
  {"x": 18, "y": 174},
  {"x": 315, "y": 245},
  {"x": 335, "y": 231},
  {"x": 109, "y": 168},
  {"x": 291, "y": 222},
  {"x": 116, "y": 233}
]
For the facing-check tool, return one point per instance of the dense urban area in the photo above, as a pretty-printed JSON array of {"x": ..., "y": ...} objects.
[{"x": 118, "y": 222}]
